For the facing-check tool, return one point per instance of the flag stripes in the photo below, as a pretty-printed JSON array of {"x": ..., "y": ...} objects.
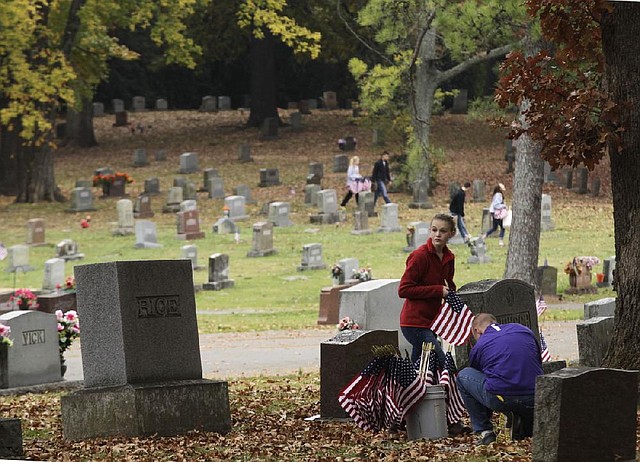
[{"x": 453, "y": 321}]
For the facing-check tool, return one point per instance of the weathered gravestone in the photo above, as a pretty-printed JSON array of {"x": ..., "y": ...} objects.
[
  {"x": 138, "y": 381},
  {"x": 124, "y": 208},
  {"x": 117, "y": 105},
  {"x": 329, "y": 311},
  {"x": 486, "y": 223},
  {"x": 140, "y": 158},
  {"x": 312, "y": 257},
  {"x": 316, "y": 173},
  {"x": 82, "y": 183},
  {"x": 340, "y": 163},
  {"x": 311, "y": 194},
  {"x": 582, "y": 180},
  {"x": 10, "y": 438},
  {"x": 67, "y": 249},
  {"x": 375, "y": 305},
  {"x": 160, "y": 155},
  {"x": 546, "y": 223},
  {"x": 365, "y": 203},
  {"x": 389, "y": 219},
  {"x": 189, "y": 191},
  {"x": 269, "y": 177},
  {"x": 595, "y": 186},
  {"x": 81, "y": 200},
  {"x": 35, "y": 232},
  {"x": 330, "y": 99},
  {"x": 18, "y": 258},
  {"x": 174, "y": 198},
  {"x": 328, "y": 205},
  {"x": 417, "y": 234},
  {"x": 295, "y": 119},
  {"x": 586, "y": 415},
  {"x": 313, "y": 103},
  {"x": 190, "y": 252},
  {"x": 279, "y": 214},
  {"x": 303, "y": 107},
  {"x": 270, "y": 128},
  {"x": 478, "y": 191},
  {"x": 53, "y": 274},
  {"x": 188, "y": 162},
  {"x": 605, "y": 307},
  {"x": 188, "y": 225},
  {"x": 244, "y": 153},
  {"x": 547, "y": 279},
  {"x": 215, "y": 187},
  {"x": 218, "y": 273},
  {"x": 262, "y": 240},
  {"x": 146, "y": 235},
  {"x": 57, "y": 300},
  {"x": 207, "y": 174},
  {"x": 348, "y": 143},
  {"x": 460, "y": 102},
  {"x": 152, "y": 186},
  {"x": 209, "y": 104},
  {"x": 341, "y": 359},
  {"x": 608, "y": 269},
  {"x": 360, "y": 223},
  {"x": 244, "y": 190},
  {"x": 162, "y": 104},
  {"x": 348, "y": 266},
  {"x": 235, "y": 204},
  {"x": 420, "y": 198},
  {"x": 121, "y": 119},
  {"x": 594, "y": 337},
  {"x": 138, "y": 104},
  {"x": 509, "y": 300},
  {"x": 224, "y": 103},
  {"x": 188, "y": 205},
  {"x": 377, "y": 137},
  {"x": 98, "y": 109},
  {"x": 34, "y": 357},
  {"x": 142, "y": 207}
]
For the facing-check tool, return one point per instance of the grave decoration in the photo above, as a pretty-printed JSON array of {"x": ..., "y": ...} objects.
[
  {"x": 579, "y": 271},
  {"x": 362, "y": 274},
  {"x": 336, "y": 273},
  {"x": 63, "y": 298},
  {"x": 347, "y": 323},
  {"x": 24, "y": 299},
  {"x": 68, "y": 331},
  {"x": 4, "y": 335},
  {"x": 113, "y": 184}
]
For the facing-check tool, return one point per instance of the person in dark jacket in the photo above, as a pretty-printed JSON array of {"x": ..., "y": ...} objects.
[
  {"x": 456, "y": 207},
  {"x": 504, "y": 364},
  {"x": 381, "y": 177}
]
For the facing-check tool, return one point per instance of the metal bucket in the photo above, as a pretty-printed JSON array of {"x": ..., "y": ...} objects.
[{"x": 428, "y": 418}]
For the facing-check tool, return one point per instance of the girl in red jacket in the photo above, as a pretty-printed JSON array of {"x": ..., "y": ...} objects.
[{"x": 427, "y": 279}]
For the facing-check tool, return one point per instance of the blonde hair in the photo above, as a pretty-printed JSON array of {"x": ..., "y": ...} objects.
[{"x": 354, "y": 160}]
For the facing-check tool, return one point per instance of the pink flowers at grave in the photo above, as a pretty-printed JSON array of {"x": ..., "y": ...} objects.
[
  {"x": 25, "y": 299},
  {"x": 347, "y": 323},
  {"x": 4, "y": 335},
  {"x": 68, "y": 329}
]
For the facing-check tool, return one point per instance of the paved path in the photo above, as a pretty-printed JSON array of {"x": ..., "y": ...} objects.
[{"x": 250, "y": 354}]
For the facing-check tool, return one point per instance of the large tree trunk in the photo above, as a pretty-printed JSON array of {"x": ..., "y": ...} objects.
[
  {"x": 36, "y": 179},
  {"x": 80, "y": 125},
  {"x": 264, "y": 101},
  {"x": 620, "y": 32},
  {"x": 8, "y": 161}
]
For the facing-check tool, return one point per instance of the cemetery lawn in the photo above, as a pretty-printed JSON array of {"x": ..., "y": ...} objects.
[{"x": 269, "y": 292}]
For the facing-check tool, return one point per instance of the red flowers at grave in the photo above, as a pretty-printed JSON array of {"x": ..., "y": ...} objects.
[
  {"x": 24, "y": 298},
  {"x": 347, "y": 323},
  {"x": 84, "y": 223},
  {"x": 110, "y": 178}
]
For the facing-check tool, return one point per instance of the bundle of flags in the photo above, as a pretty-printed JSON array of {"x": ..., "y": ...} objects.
[
  {"x": 453, "y": 321},
  {"x": 541, "y": 307},
  {"x": 382, "y": 394},
  {"x": 446, "y": 375}
]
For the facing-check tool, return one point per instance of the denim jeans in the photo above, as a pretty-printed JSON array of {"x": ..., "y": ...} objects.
[
  {"x": 481, "y": 404},
  {"x": 415, "y": 336},
  {"x": 497, "y": 222},
  {"x": 462, "y": 229},
  {"x": 381, "y": 190}
]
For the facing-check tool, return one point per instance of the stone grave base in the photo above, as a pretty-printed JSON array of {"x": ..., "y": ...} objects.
[
  {"x": 359, "y": 232},
  {"x": 171, "y": 208},
  {"x": 113, "y": 196},
  {"x": 312, "y": 267},
  {"x": 389, "y": 230},
  {"x": 268, "y": 183},
  {"x": 148, "y": 245},
  {"x": 122, "y": 231},
  {"x": 75, "y": 256},
  {"x": 219, "y": 285},
  {"x": 481, "y": 260},
  {"x": 50, "y": 303},
  {"x": 41, "y": 244},
  {"x": 240, "y": 217},
  {"x": 420, "y": 205},
  {"x": 84, "y": 209},
  {"x": 325, "y": 218},
  {"x": 260, "y": 253},
  {"x": 165, "y": 409},
  {"x": 190, "y": 236},
  {"x": 143, "y": 214},
  {"x": 582, "y": 290},
  {"x": 10, "y": 438}
]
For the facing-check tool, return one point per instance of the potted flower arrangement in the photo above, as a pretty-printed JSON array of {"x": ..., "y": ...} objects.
[
  {"x": 25, "y": 299},
  {"x": 336, "y": 274},
  {"x": 69, "y": 285},
  {"x": 362, "y": 274},
  {"x": 68, "y": 330},
  {"x": 5, "y": 343},
  {"x": 112, "y": 183},
  {"x": 411, "y": 231},
  {"x": 4, "y": 335},
  {"x": 579, "y": 271},
  {"x": 347, "y": 323}
]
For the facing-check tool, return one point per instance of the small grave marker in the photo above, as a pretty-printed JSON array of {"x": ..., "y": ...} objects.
[
  {"x": 312, "y": 257},
  {"x": 262, "y": 240},
  {"x": 146, "y": 235},
  {"x": 218, "y": 273}
]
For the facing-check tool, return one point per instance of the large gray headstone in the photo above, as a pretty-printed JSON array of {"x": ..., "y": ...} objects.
[
  {"x": 188, "y": 162},
  {"x": 126, "y": 307},
  {"x": 594, "y": 337},
  {"x": 138, "y": 104},
  {"x": 330, "y": 99},
  {"x": 224, "y": 103},
  {"x": 365, "y": 203},
  {"x": 375, "y": 305},
  {"x": 117, "y": 105},
  {"x": 146, "y": 235},
  {"x": 341, "y": 359},
  {"x": 420, "y": 198},
  {"x": 162, "y": 104},
  {"x": 207, "y": 174},
  {"x": 81, "y": 200},
  {"x": 389, "y": 219},
  {"x": 175, "y": 196},
  {"x": 586, "y": 415},
  {"x": 328, "y": 201},
  {"x": 279, "y": 214},
  {"x": 604, "y": 307},
  {"x": 244, "y": 153},
  {"x": 460, "y": 102},
  {"x": 34, "y": 357},
  {"x": 235, "y": 204},
  {"x": 311, "y": 194},
  {"x": 262, "y": 240},
  {"x": 190, "y": 252}
]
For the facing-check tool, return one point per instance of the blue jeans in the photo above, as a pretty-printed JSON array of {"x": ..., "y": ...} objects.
[
  {"x": 415, "y": 336},
  {"x": 481, "y": 404},
  {"x": 381, "y": 190},
  {"x": 462, "y": 229},
  {"x": 497, "y": 222}
]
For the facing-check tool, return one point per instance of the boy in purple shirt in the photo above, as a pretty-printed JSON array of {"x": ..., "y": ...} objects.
[{"x": 504, "y": 364}]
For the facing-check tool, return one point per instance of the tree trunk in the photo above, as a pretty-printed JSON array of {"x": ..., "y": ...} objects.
[
  {"x": 36, "y": 179},
  {"x": 620, "y": 31},
  {"x": 80, "y": 125},
  {"x": 524, "y": 235},
  {"x": 264, "y": 101},
  {"x": 8, "y": 161}
]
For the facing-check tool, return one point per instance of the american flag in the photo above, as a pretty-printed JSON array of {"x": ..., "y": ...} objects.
[
  {"x": 433, "y": 365},
  {"x": 544, "y": 349},
  {"x": 3, "y": 251},
  {"x": 455, "y": 405},
  {"x": 541, "y": 305},
  {"x": 453, "y": 322}
]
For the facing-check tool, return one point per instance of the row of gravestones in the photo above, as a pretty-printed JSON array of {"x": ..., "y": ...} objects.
[
  {"x": 559, "y": 395},
  {"x": 329, "y": 100}
]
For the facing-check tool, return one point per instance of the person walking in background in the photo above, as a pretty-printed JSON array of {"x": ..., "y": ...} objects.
[
  {"x": 456, "y": 207},
  {"x": 381, "y": 177},
  {"x": 355, "y": 181},
  {"x": 504, "y": 364},
  {"x": 498, "y": 210}
]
